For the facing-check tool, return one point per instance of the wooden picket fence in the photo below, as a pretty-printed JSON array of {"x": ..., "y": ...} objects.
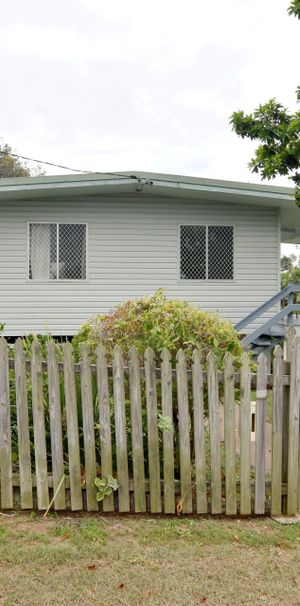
[{"x": 154, "y": 428}]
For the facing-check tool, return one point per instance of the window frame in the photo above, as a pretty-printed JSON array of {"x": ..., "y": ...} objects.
[
  {"x": 57, "y": 279},
  {"x": 205, "y": 280}
]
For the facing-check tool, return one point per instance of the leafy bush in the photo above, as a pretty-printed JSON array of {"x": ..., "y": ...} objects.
[{"x": 158, "y": 322}]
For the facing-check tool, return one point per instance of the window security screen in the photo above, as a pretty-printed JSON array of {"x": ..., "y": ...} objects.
[
  {"x": 57, "y": 251},
  {"x": 206, "y": 252},
  {"x": 220, "y": 253},
  {"x": 193, "y": 252}
]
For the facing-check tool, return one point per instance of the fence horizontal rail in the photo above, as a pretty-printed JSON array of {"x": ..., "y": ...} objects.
[{"x": 189, "y": 374}]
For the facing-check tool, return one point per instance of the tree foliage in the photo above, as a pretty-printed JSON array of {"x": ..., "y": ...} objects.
[
  {"x": 294, "y": 8},
  {"x": 11, "y": 166},
  {"x": 279, "y": 134},
  {"x": 290, "y": 269}
]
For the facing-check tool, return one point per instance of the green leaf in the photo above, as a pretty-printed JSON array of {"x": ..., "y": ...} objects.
[
  {"x": 107, "y": 491},
  {"x": 112, "y": 482},
  {"x": 100, "y": 483}
]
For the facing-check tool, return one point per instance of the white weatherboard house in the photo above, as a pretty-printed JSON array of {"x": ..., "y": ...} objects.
[{"x": 74, "y": 246}]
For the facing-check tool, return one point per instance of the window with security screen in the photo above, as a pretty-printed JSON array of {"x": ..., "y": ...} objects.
[
  {"x": 57, "y": 251},
  {"x": 206, "y": 252}
]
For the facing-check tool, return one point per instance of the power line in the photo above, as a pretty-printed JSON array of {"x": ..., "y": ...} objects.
[{"x": 75, "y": 170}]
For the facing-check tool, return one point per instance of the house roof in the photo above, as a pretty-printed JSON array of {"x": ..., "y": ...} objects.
[{"x": 158, "y": 184}]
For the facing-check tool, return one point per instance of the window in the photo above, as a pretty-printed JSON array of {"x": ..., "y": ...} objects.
[
  {"x": 206, "y": 252},
  {"x": 57, "y": 251}
]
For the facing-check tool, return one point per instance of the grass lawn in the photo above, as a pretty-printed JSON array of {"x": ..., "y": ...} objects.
[{"x": 147, "y": 561}]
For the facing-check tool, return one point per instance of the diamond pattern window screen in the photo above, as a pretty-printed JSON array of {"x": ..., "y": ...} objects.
[
  {"x": 220, "y": 253},
  {"x": 206, "y": 252},
  {"x": 193, "y": 252},
  {"x": 57, "y": 251}
]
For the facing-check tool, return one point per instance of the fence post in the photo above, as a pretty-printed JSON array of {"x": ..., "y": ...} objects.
[
  {"x": 293, "y": 446},
  {"x": 288, "y": 346},
  {"x": 276, "y": 494}
]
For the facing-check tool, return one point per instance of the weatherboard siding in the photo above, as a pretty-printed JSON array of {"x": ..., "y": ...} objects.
[{"x": 133, "y": 249}]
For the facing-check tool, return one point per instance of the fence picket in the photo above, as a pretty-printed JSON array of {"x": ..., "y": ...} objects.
[
  {"x": 168, "y": 437},
  {"x": 276, "y": 475},
  {"x": 121, "y": 437},
  {"x": 152, "y": 425},
  {"x": 55, "y": 426},
  {"x": 23, "y": 427},
  {"x": 5, "y": 432},
  {"x": 229, "y": 419},
  {"x": 261, "y": 397},
  {"x": 88, "y": 429},
  {"x": 293, "y": 446},
  {"x": 104, "y": 422},
  {"x": 199, "y": 434},
  {"x": 184, "y": 433},
  {"x": 140, "y": 383},
  {"x": 72, "y": 428},
  {"x": 245, "y": 437},
  {"x": 137, "y": 432},
  {"x": 213, "y": 412},
  {"x": 40, "y": 451}
]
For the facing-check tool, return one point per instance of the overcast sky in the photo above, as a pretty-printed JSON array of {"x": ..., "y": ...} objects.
[{"x": 133, "y": 85}]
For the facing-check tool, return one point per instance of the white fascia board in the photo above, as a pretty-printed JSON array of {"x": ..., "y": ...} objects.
[{"x": 60, "y": 185}]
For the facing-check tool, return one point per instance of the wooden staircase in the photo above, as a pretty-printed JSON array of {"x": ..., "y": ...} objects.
[{"x": 272, "y": 331}]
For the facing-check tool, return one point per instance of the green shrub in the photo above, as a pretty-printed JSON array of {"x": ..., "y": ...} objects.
[{"x": 158, "y": 322}]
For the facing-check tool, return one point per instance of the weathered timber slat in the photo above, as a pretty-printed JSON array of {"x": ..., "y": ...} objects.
[
  {"x": 220, "y": 375},
  {"x": 88, "y": 430},
  {"x": 23, "y": 427},
  {"x": 137, "y": 433},
  {"x": 214, "y": 434},
  {"x": 57, "y": 454},
  {"x": 72, "y": 429},
  {"x": 184, "y": 433},
  {"x": 168, "y": 436},
  {"x": 245, "y": 436},
  {"x": 5, "y": 430},
  {"x": 152, "y": 427},
  {"x": 260, "y": 444},
  {"x": 40, "y": 452},
  {"x": 104, "y": 423},
  {"x": 121, "y": 436},
  {"x": 199, "y": 434},
  {"x": 276, "y": 498},
  {"x": 229, "y": 430}
]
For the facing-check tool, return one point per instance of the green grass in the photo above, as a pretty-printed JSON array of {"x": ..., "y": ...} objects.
[{"x": 88, "y": 560}]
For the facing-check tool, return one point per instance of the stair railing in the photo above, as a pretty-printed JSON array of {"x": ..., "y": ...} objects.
[{"x": 287, "y": 293}]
